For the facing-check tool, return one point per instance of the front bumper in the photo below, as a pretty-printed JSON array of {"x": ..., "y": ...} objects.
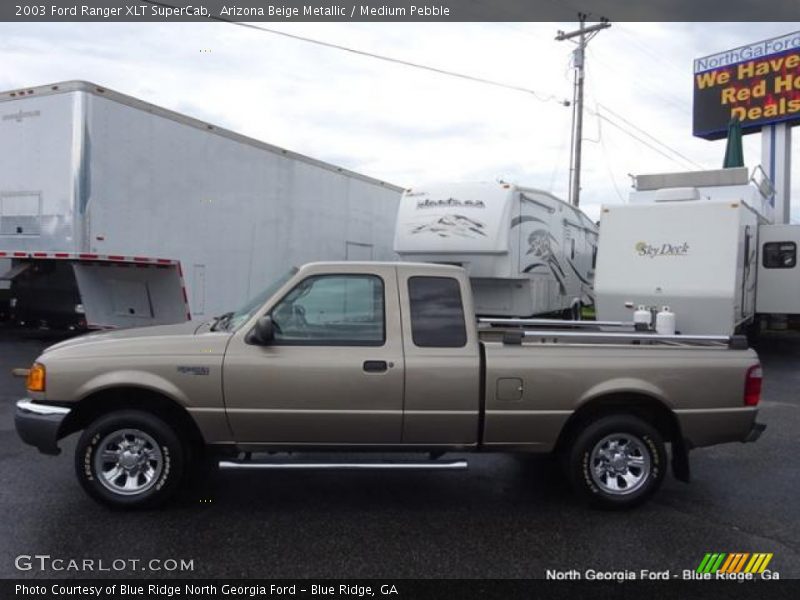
[{"x": 39, "y": 424}]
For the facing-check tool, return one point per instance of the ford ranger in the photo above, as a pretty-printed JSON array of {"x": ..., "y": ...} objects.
[{"x": 384, "y": 357}]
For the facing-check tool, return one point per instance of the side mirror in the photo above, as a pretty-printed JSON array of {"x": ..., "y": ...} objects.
[{"x": 262, "y": 333}]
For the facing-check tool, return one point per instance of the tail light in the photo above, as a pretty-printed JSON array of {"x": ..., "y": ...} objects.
[{"x": 752, "y": 386}]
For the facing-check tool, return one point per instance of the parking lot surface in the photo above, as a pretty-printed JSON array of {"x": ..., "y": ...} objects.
[{"x": 505, "y": 516}]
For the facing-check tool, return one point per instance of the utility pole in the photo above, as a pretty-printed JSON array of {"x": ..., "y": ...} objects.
[{"x": 584, "y": 35}]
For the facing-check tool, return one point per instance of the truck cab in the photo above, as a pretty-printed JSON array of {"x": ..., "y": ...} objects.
[{"x": 345, "y": 332}]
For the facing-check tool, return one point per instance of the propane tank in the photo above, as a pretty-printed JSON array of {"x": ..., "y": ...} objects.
[
  {"x": 665, "y": 321},
  {"x": 641, "y": 318}
]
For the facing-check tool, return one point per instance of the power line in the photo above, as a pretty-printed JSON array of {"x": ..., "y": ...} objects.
[
  {"x": 635, "y": 137},
  {"x": 606, "y": 159},
  {"x": 653, "y": 138},
  {"x": 664, "y": 93},
  {"x": 649, "y": 51},
  {"x": 398, "y": 61}
]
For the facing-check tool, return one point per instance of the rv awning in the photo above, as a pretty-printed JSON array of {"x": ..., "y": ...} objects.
[{"x": 15, "y": 271}]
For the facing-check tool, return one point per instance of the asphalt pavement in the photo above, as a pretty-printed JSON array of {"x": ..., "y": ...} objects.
[{"x": 504, "y": 517}]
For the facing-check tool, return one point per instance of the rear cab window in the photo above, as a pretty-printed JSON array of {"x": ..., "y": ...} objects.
[{"x": 437, "y": 312}]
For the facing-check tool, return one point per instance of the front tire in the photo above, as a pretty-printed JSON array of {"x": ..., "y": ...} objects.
[
  {"x": 617, "y": 462},
  {"x": 129, "y": 459}
]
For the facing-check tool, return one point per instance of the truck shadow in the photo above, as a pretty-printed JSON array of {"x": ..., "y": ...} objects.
[{"x": 490, "y": 480}]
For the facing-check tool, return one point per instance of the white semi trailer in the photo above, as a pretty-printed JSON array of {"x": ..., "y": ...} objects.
[
  {"x": 703, "y": 244},
  {"x": 118, "y": 213},
  {"x": 526, "y": 252}
]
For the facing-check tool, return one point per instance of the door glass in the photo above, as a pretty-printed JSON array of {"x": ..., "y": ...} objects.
[
  {"x": 437, "y": 313},
  {"x": 332, "y": 310}
]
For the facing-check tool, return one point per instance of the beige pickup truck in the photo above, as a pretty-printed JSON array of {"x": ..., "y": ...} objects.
[{"x": 384, "y": 357}]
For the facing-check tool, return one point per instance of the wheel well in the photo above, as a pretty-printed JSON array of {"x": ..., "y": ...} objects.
[
  {"x": 645, "y": 407},
  {"x": 113, "y": 399}
]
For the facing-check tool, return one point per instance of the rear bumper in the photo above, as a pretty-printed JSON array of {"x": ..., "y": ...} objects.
[
  {"x": 708, "y": 427},
  {"x": 39, "y": 424},
  {"x": 755, "y": 432}
]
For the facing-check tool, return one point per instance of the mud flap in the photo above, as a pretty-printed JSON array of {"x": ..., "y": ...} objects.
[
  {"x": 130, "y": 295},
  {"x": 680, "y": 461}
]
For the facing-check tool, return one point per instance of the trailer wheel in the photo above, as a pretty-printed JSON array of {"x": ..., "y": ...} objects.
[
  {"x": 617, "y": 462},
  {"x": 129, "y": 459}
]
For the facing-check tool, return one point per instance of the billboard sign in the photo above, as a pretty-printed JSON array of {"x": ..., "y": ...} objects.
[{"x": 759, "y": 84}]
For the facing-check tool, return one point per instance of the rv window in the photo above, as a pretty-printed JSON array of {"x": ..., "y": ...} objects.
[
  {"x": 779, "y": 255},
  {"x": 437, "y": 314}
]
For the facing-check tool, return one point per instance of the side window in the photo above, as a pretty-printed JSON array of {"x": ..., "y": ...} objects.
[
  {"x": 332, "y": 310},
  {"x": 779, "y": 255},
  {"x": 437, "y": 313}
]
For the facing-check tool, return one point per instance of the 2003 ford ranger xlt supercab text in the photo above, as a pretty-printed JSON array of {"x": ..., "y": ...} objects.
[{"x": 384, "y": 357}]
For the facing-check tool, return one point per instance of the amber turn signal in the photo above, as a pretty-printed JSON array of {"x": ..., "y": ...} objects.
[{"x": 36, "y": 378}]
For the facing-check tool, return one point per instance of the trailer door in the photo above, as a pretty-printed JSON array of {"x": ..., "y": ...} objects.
[{"x": 778, "y": 288}]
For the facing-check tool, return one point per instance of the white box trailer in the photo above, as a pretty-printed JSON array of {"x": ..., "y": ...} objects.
[
  {"x": 108, "y": 205},
  {"x": 526, "y": 252},
  {"x": 703, "y": 246}
]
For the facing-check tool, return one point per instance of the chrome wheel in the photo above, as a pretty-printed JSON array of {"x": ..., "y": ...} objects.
[
  {"x": 619, "y": 464},
  {"x": 128, "y": 462}
]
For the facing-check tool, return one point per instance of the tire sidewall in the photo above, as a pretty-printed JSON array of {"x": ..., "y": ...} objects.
[
  {"x": 580, "y": 460},
  {"x": 168, "y": 443}
]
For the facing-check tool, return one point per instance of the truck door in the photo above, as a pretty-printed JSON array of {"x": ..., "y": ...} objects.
[{"x": 334, "y": 372}]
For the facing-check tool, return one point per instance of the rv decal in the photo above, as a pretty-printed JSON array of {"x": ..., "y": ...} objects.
[
  {"x": 450, "y": 203},
  {"x": 547, "y": 207},
  {"x": 555, "y": 269},
  {"x": 519, "y": 220},
  {"x": 651, "y": 251},
  {"x": 539, "y": 244},
  {"x": 21, "y": 114},
  {"x": 577, "y": 273},
  {"x": 452, "y": 226}
]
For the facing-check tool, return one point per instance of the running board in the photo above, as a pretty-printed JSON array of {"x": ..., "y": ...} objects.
[{"x": 421, "y": 465}]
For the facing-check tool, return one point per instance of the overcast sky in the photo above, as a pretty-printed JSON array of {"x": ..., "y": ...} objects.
[{"x": 405, "y": 125}]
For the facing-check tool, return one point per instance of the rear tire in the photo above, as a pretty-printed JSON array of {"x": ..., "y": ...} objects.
[
  {"x": 617, "y": 462},
  {"x": 129, "y": 459}
]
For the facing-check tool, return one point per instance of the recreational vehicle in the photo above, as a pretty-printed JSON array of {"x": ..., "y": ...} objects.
[
  {"x": 702, "y": 244},
  {"x": 526, "y": 252},
  {"x": 118, "y": 213}
]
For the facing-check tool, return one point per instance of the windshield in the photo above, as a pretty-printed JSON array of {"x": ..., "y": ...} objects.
[{"x": 232, "y": 321}]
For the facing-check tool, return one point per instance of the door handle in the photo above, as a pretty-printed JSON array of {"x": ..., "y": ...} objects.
[{"x": 375, "y": 366}]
